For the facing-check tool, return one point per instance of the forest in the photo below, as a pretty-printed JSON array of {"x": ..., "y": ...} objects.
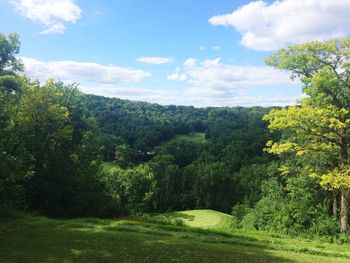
[{"x": 281, "y": 170}]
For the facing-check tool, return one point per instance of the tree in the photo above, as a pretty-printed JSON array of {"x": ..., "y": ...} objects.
[
  {"x": 134, "y": 188},
  {"x": 9, "y": 49},
  {"x": 14, "y": 159},
  {"x": 319, "y": 128},
  {"x": 168, "y": 181},
  {"x": 59, "y": 137}
]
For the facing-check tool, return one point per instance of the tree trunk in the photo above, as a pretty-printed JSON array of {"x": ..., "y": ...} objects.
[
  {"x": 344, "y": 211},
  {"x": 344, "y": 193},
  {"x": 335, "y": 204}
]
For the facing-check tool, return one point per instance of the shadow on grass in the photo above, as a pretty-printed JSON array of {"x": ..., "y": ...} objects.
[
  {"x": 179, "y": 215},
  {"x": 48, "y": 242}
]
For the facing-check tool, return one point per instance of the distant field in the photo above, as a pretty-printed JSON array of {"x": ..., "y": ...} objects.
[
  {"x": 201, "y": 218},
  {"x": 109, "y": 165},
  {"x": 196, "y": 137},
  {"x": 193, "y": 137},
  {"x": 37, "y": 239}
]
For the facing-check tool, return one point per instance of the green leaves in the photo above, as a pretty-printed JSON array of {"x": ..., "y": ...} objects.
[
  {"x": 336, "y": 179},
  {"x": 322, "y": 121},
  {"x": 9, "y": 48},
  {"x": 319, "y": 130},
  {"x": 133, "y": 188}
]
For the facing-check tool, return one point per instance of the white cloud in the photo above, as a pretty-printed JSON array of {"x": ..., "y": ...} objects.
[
  {"x": 52, "y": 14},
  {"x": 215, "y": 75},
  {"x": 201, "y": 83},
  {"x": 200, "y": 100},
  {"x": 155, "y": 60},
  {"x": 271, "y": 26},
  {"x": 58, "y": 28},
  {"x": 82, "y": 72},
  {"x": 177, "y": 76},
  {"x": 211, "y": 82},
  {"x": 203, "y": 48}
]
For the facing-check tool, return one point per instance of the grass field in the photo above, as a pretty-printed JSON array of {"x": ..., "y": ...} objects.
[
  {"x": 38, "y": 239},
  {"x": 108, "y": 165},
  {"x": 193, "y": 137},
  {"x": 196, "y": 137},
  {"x": 200, "y": 218}
]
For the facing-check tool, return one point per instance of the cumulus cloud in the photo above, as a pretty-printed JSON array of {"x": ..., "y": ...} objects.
[
  {"x": 215, "y": 75},
  {"x": 177, "y": 76},
  {"x": 52, "y": 14},
  {"x": 203, "y": 48},
  {"x": 200, "y": 83},
  {"x": 155, "y": 60},
  {"x": 211, "y": 82},
  {"x": 73, "y": 71},
  {"x": 271, "y": 26},
  {"x": 199, "y": 100}
]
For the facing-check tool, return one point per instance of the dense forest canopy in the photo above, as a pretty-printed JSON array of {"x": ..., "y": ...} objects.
[{"x": 55, "y": 140}]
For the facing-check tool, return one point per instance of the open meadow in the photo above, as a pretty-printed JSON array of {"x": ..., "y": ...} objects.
[{"x": 39, "y": 239}]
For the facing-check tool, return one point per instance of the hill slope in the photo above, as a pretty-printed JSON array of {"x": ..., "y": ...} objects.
[{"x": 94, "y": 240}]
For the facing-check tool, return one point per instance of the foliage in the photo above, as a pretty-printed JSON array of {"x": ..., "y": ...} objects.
[
  {"x": 9, "y": 49},
  {"x": 320, "y": 127},
  {"x": 133, "y": 188}
]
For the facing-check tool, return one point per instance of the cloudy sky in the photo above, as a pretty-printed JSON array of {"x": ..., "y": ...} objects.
[{"x": 188, "y": 52}]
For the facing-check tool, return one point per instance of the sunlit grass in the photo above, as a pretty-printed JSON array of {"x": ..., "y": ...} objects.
[
  {"x": 109, "y": 165},
  {"x": 201, "y": 218},
  {"x": 38, "y": 239},
  {"x": 193, "y": 137}
]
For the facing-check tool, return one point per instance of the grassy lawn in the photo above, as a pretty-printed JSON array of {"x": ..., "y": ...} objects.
[
  {"x": 201, "y": 218},
  {"x": 38, "y": 239},
  {"x": 108, "y": 165},
  {"x": 196, "y": 137},
  {"x": 193, "y": 137}
]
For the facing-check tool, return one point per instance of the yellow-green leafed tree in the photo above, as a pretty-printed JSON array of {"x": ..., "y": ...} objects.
[{"x": 320, "y": 125}]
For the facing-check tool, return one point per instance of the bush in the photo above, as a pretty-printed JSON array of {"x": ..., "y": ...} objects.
[
  {"x": 296, "y": 209},
  {"x": 239, "y": 211},
  {"x": 132, "y": 188},
  {"x": 159, "y": 219},
  {"x": 8, "y": 211},
  {"x": 325, "y": 226}
]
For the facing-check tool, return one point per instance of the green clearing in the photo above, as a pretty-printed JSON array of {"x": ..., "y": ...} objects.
[
  {"x": 200, "y": 218},
  {"x": 38, "y": 239},
  {"x": 109, "y": 165},
  {"x": 193, "y": 137}
]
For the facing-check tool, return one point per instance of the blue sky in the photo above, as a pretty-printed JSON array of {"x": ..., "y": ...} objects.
[{"x": 189, "y": 52}]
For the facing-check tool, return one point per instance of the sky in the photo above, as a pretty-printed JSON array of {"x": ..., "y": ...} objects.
[{"x": 182, "y": 52}]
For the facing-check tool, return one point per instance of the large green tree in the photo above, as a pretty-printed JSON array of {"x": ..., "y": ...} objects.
[
  {"x": 14, "y": 159},
  {"x": 318, "y": 129}
]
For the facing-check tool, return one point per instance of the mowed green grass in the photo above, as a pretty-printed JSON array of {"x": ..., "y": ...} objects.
[
  {"x": 193, "y": 137},
  {"x": 201, "y": 218},
  {"x": 109, "y": 165},
  {"x": 38, "y": 239}
]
